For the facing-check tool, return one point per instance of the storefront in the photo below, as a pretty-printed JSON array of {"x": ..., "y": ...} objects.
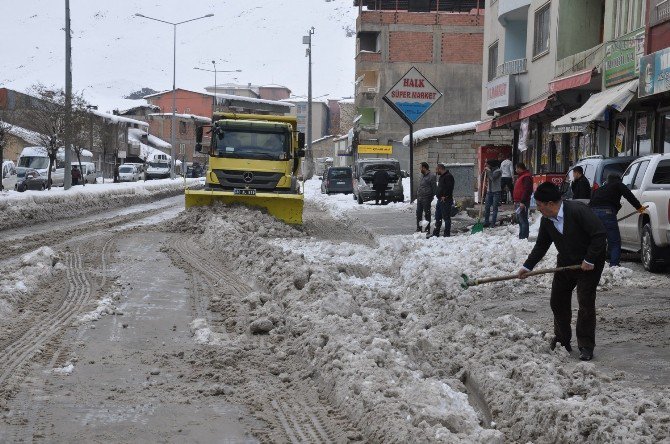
[{"x": 654, "y": 91}]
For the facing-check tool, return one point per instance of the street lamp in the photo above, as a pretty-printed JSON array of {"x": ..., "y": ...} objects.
[
  {"x": 215, "y": 71},
  {"x": 307, "y": 40},
  {"x": 173, "y": 151}
]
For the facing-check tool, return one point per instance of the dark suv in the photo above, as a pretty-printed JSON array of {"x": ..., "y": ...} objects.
[
  {"x": 364, "y": 169},
  {"x": 596, "y": 170},
  {"x": 337, "y": 180}
]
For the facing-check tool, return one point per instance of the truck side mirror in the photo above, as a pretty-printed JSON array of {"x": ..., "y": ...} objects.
[
  {"x": 301, "y": 153},
  {"x": 198, "y": 138},
  {"x": 198, "y": 147},
  {"x": 301, "y": 141}
]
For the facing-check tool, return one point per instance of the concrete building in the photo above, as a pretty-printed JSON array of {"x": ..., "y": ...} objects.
[
  {"x": 443, "y": 40},
  {"x": 563, "y": 74},
  {"x": 160, "y": 125},
  {"x": 16, "y": 139},
  {"x": 320, "y": 116}
]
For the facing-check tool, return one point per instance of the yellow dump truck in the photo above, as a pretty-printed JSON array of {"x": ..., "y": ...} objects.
[{"x": 254, "y": 160}]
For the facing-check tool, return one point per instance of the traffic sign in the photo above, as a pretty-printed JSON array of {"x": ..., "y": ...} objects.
[{"x": 412, "y": 96}]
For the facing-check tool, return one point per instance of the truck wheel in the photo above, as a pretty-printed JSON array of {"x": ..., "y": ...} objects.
[{"x": 650, "y": 253}]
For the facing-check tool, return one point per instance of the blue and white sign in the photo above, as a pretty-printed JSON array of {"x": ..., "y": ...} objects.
[
  {"x": 655, "y": 73},
  {"x": 412, "y": 96}
]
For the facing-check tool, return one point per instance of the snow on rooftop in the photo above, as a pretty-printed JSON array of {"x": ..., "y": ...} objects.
[
  {"x": 37, "y": 151},
  {"x": 347, "y": 101},
  {"x": 184, "y": 116},
  {"x": 148, "y": 152},
  {"x": 25, "y": 134},
  {"x": 118, "y": 119},
  {"x": 440, "y": 131}
]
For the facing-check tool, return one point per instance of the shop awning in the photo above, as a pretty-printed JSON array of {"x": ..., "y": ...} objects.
[
  {"x": 572, "y": 81},
  {"x": 594, "y": 109},
  {"x": 484, "y": 126},
  {"x": 533, "y": 108}
]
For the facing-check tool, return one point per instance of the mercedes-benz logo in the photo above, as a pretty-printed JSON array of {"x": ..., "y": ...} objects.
[{"x": 248, "y": 177}]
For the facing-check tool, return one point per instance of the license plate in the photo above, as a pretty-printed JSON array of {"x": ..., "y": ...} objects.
[
  {"x": 244, "y": 192},
  {"x": 339, "y": 183}
]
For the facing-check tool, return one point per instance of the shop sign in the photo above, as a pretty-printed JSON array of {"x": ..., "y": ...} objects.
[
  {"x": 660, "y": 12},
  {"x": 500, "y": 93},
  {"x": 642, "y": 126},
  {"x": 578, "y": 128},
  {"x": 412, "y": 96},
  {"x": 655, "y": 73},
  {"x": 618, "y": 140},
  {"x": 375, "y": 149},
  {"x": 622, "y": 58}
]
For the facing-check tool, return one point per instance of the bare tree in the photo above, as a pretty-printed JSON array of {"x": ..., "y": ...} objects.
[
  {"x": 4, "y": 130},
  {"x": 79, "y": 135}
]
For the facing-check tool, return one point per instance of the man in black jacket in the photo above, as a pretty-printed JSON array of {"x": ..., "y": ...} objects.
[
  {"x": 581, "y": 188},
  {"x": 606, "y": 203},
  {"x": 445, "y": 200},
  {"x": 380, "y": 181},
  {"x": 579, "y": 237}
]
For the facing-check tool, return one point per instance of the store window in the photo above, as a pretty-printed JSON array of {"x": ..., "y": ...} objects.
[
  {"x": 643, "y": 134},
  {"x": 541, "y": 36}
]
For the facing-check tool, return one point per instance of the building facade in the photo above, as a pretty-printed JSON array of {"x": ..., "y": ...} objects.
[
  {"x": 443, "y": 40},
  {"x": 320, "y": 116},
  {"x": 564, "y": 75}
]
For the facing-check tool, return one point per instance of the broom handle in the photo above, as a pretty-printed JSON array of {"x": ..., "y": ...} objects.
[
  {"x": 481, "y": 196},
  {"x": 516, "y": 276},
  {"x": 630, "y": 214}
]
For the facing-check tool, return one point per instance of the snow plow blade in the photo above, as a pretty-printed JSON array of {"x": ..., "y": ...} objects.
[{"x": 285, "y": 207}]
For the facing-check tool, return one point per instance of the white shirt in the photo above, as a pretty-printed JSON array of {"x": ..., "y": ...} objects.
[
  {"x": 506, "y": 168},
  {"x": 558, "y": 220}
]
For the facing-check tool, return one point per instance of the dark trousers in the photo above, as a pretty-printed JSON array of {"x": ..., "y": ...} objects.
[
  {"x": 443, "y": 213},
  {"x": 561, "y": 305},
  {"x": 608, "y": 218},
  {"x": 492, "y": 200},
  {"x": 522, "y": 218},
  {"x": 75, "y": 181},
  {"x": 380, "y": 194},
  {"x": 423, "y": 208}
]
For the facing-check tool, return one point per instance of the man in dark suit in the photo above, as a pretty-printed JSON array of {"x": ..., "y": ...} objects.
[
  {"x": 579, "y": 237},
  {"x": 380, "y": 181},
  {"x": 445, "y": 200},
  {"x": 581, "y": 188}
]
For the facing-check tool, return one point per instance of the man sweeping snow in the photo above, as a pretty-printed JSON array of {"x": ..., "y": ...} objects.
[{"x": 579, "y": 237}]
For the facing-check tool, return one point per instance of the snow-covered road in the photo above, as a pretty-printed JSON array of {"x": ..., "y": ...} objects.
[{"x": 226, "y": 322}]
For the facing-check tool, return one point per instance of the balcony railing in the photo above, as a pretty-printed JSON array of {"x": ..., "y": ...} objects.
[{"x": 511, "y": 67}]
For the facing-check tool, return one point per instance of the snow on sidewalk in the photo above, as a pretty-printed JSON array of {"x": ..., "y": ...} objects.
[{"x": 17, "y": 208}]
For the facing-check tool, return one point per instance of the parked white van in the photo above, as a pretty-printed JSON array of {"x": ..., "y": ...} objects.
[{"x": 36, "y": 157}]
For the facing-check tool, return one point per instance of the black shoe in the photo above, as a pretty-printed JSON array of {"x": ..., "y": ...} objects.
[
  {"x": 418, "y": 229},
  {"x": 486, "y": 225},
  {"x": 555, "y": 341},
  {"x": 585, "y": 354}
]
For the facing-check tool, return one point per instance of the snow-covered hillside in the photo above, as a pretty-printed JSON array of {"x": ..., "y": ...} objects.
[{"x": 115, "y": 53}]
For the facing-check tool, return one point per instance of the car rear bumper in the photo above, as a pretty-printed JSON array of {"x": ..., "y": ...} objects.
[{"x": 390, "y": 194}]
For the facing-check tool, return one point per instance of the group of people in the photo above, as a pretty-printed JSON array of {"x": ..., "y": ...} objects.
[
  {"x": 429, "y": 188},
  {"x": 582, "y": 234}
]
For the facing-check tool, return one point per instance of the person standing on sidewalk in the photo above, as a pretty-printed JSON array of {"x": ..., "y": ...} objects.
[
  {"x": 507, "y": 178},
  {"x": 380, "y": 181},
  {"x": 581, "y": 188},
  {"x": 579, "y": 237},
  {"x": 424, "y": 196},
  {"x": 445, "y": 200},
  {"x": 523, "y": 189},
  {"x": 606, "y": 203},
  {"x": 493, "y": 176}
]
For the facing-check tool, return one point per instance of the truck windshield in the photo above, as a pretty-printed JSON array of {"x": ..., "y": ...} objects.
[
  {"x": 38, "y": 163},
  {"x": 252, "y": 145}
]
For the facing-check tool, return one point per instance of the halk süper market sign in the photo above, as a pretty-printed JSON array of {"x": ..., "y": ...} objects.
[{"x": 412, "y": 96}]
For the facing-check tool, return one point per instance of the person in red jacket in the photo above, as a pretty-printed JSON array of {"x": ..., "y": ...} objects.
[{"x": 523, "y": 189}]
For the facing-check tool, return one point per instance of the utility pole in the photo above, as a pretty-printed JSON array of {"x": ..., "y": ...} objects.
[
  {"x": 309, "y": 158},
  {"x": 67, "y": 180}
]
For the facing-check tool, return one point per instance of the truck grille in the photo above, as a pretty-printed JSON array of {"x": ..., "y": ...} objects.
[{"x": 252, "y": 179}]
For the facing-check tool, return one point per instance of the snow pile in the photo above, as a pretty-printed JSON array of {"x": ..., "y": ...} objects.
[
  {"x": 341, "y": 204},
  {"x": 440, "y": 131},
  {"x": 414, "y": 359},
  {"x": 17, "y": 282},
  {"x": 106, "y": 306},
  {"x": 66, "y": 370},
  {"x": 203, "y": 334},
  {"x": 17, "y": 208}
]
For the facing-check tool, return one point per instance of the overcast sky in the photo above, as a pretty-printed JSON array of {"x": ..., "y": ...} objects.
[{"x": 115, "y": 52}]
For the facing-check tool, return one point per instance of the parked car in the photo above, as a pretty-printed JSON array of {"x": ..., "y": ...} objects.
[
  {"x": 89, "y": 173},
  {"x": 364, "y": 169},
  {"x": 35, "y": 157},
  {"x": 8, "y": 175},
  {"x": 596, "y": 170},
  {"x": 128, "y": 173},
  {"x": 194, "y": 170},
  {"x": 337, "y": 180},
  {"x": 31, "y": 179},
  {"x": 157, "y": 170},
  {"x": 649, "y": 180}
]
